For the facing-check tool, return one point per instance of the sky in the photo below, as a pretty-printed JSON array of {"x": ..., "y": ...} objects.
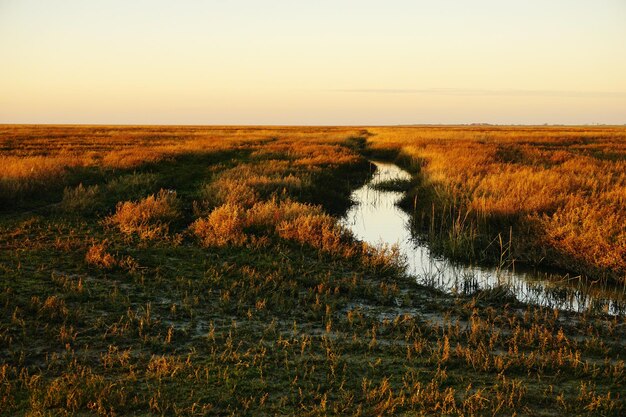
[{"x": 322, "y": 62}]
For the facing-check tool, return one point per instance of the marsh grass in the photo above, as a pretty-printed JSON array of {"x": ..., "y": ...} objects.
[
  {"x": 98, "y": 256},
  {"x": 557, "y": 189},
  {"x": 81, "y": 199},
  {"x": 254, "y": 307},
  {"x": 396, "y": 185},
  {"x": 148, "y": 218}
]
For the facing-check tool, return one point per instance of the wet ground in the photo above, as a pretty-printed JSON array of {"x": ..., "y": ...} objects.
[{"x": 376, "y": 219}]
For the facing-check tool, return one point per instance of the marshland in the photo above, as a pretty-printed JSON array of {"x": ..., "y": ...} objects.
[{"x": 207, "y": 270}]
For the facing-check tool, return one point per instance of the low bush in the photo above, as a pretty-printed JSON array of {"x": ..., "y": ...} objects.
[
  {"x": 148, "y": 218},
  {"x": 224, "y": 226}
]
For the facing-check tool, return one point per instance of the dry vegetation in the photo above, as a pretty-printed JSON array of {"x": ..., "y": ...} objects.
[
  {"x": 201, "y": 271},
  {"x": 560, "y": 191},
  {"x": 35, "y": 157},
  {"x": 149, "y": 218}
]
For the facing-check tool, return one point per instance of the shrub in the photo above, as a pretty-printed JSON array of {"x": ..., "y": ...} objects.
[
  {"x": 318, "y": 230},
  {"x": 271, "y": 213},
  {"x": 228, "y": 223},
  {"x": 224, "y": 226},
  {"x": 148, "y": 218}
]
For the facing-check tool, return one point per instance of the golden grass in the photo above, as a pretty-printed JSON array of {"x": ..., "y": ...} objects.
[
  {"x": 565, "y": 184},
  {"x": 148, "y": 218},
  {"x": 235, "y": 225},
  {"x": 224, "y": 226},
  {"x": 245, "y": 183},
  {"x": 33, "y": 156},
  {"x": 32, "y": 151},
  {"x": 318, "y": 230},
  {"x": 228, "y": 223},
  {"x": 98, "y": 256}
]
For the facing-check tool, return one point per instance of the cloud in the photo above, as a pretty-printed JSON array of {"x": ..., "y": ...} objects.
[{"x": 485, "y": 92}]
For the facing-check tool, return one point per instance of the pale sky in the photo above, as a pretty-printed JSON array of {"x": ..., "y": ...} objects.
[{"x": 313, "y": 62}]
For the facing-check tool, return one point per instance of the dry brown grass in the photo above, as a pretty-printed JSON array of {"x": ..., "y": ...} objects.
[
  {"x": 148, "y": 218},
  {"x": 231, "y": 224},
  {"x": 34, "y": 156},
  {"x": 567, "y": 185},
  {"x": 307, "y": 225},
  {"x": 79, "y": 198},
  {"x": 224, "y": 226},
  {"x": 98, "y": 256}
]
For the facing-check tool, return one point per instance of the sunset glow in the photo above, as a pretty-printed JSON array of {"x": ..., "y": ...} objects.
[{"x": 323, "y": 62}]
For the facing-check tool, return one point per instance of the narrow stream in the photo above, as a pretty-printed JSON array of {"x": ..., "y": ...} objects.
[{"x": 376, "y": 219}]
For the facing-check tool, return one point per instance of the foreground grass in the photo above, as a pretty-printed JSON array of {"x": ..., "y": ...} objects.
[{"x": 208, "y": 281}]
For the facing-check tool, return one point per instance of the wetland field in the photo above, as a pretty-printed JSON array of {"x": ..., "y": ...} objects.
[{"x": 241, "y": 270}]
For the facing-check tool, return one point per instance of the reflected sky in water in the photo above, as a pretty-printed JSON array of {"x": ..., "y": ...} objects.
[{"x": 375, "y": 218}]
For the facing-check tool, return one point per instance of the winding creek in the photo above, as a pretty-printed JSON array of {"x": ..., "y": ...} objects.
[{"x": 375, "y": 218}]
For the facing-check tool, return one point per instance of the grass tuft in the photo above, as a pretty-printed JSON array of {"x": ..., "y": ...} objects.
[{"x": 148, "y": 218}]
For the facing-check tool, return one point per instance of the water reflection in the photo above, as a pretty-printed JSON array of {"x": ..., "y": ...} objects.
[{"x": 376, "y": 219}]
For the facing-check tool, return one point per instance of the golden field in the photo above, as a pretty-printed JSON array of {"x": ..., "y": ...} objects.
[
  {"x": 33, "y": 156},
  {"x": 562, "y": 190},
  {"x": 558, "y": 193},
  {"x": 191, "y": 270}
]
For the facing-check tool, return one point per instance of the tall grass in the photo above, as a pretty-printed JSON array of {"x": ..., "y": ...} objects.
[
  {"x": 148, "y": 218},
  {"x": 562, "y": 190},
  {"x": 37, "y": 157}
]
